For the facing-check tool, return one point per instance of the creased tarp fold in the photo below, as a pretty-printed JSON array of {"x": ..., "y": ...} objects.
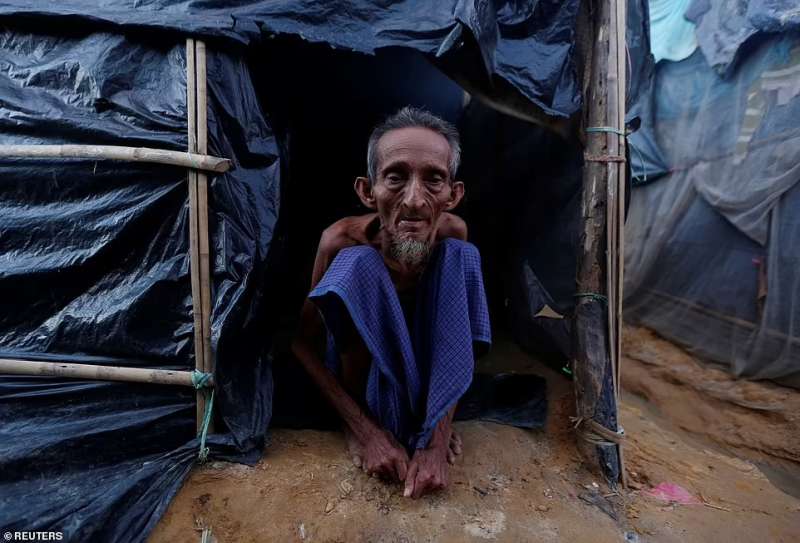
[{"x": 528, "y": 44}]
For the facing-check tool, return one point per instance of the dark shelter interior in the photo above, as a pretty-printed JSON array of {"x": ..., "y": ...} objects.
[{"x": 521, "y": 204}]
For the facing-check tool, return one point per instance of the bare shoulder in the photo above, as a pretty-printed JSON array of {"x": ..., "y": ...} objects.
[
  {"x": 452, "y": 226},
  {"x": 345, "y": 232}
]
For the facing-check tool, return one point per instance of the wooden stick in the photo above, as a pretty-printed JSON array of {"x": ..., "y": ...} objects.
[
  {"x": 11, "y": 366},
  {"x": 622, "y": 50},
  {"x": 194, "y": 247},
  {"x": 202, "y": 97},
  {"x": 619, "y": 215},
  {"x": 202, "y": 210},
  {"x": 191, "y": 96},
  {"x": 594, "y": 331},
  {"x": 612, "y": 144},
  {"x": 622, "y": 10},
  {"x": 117, "y": 152},
  {"x": 202, "y": 201}
]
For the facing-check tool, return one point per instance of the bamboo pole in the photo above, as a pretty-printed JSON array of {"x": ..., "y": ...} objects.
[
  {"x": 202, "y": 210},
  {"x": 13, "y": 366},
  {"x": 194, "y": 252},
  {"x": 117, "y": 152},
  {"x": 732, "y": 321},
  {"x": 612, "y": 147},
  {"x": 595, "y": 323},
  {"x": 616, "y": 272},
  {"x": 622, "y": 60}
]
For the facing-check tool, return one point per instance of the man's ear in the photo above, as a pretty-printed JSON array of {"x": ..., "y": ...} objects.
[
  {"x": 456, "y": 194},
  {"x": 363, "y": 188}
]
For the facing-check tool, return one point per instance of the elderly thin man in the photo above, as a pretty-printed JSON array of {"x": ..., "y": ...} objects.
[{"x": 396, "y": 306}]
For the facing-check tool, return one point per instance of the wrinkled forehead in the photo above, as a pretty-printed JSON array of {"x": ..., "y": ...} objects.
[{"x": 415, "y": 146}]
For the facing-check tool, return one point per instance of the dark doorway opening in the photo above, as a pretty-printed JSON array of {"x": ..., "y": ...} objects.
[{"x": 522, "y": 185}]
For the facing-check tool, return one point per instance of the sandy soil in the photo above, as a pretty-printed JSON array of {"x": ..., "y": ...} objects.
[
  {"x": 518, "y": 485},
  {"x": 758, "y": 421}
]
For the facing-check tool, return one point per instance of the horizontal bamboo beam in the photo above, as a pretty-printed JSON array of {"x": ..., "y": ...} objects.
[
  {"x": 117, "y": 152},
  {"x": 10, "y": 366},
  {"x": 733, "y": 321}
]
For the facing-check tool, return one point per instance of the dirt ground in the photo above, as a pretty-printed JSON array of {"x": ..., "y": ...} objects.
[{"x": 686, "y": 424}]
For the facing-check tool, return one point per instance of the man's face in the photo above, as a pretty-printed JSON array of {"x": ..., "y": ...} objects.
[{"x": 413, "y": 186}]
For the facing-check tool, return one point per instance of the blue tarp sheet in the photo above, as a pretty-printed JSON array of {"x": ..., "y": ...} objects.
[{"x": 711, "y": 255}]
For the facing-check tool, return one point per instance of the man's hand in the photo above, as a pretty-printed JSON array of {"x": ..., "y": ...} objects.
[
  {"x": 379, "y": 454},
  {"x": 428, "y": 469},
  {"x": 427, "y": 472}
]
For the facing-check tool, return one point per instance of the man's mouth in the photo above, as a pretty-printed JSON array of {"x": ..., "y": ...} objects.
[{"x": 412, "y": 223}]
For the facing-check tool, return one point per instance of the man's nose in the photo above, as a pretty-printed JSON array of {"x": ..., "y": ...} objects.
[{"x": 414, "y": 197}]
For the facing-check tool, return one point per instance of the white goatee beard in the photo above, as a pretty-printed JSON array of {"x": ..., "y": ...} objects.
[{"x": 411, "y": 252}]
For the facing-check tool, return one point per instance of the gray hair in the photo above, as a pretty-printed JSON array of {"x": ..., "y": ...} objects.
[{"x": 409, "y": 117}]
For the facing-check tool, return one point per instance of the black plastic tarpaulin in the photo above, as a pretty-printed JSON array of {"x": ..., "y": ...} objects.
[
  {"x": 94, "y": 262},
  {"x": 527, "y": 44},
  {"x": 94, "y": 269}
]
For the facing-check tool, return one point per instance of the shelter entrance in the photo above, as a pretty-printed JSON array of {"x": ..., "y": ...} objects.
[{"x": 521, "y": 205}]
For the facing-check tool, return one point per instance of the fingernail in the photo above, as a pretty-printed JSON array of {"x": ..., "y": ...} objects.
[{"x": 407, "y": 493}]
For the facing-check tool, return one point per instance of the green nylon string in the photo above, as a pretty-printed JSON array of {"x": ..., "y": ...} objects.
[
  {"x": 203, "y": 454},
  {"x": 592, "y": 296},
  {"x": 610, "y": 129},
  {"x": 201, "y": 379}
]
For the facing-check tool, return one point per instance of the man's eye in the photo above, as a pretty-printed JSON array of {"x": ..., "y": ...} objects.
[{"x": 394, "y": 178}]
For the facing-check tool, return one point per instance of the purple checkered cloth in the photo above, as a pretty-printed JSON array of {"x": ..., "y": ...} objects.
[{"x": 416, "y": 375}]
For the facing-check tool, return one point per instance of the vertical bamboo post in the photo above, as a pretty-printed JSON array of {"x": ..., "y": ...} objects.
[
  {"x": 597, "y": 323},
  {"x": 616, "y": 200},
  {"x": 194, "y": 254},
  {"x": 622, "y": 60},
  {"x": 202, "y": 210}
]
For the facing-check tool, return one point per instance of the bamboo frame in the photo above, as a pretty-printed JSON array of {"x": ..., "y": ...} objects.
[
  {"x": 14, "y": 366},
  {"x": 202, "y": 201},
  {"x": 619, "y": 269},
  {"x": 598, "y": 348},
  {"x": 733, "y": 321},
  {"x": 199, "y": 251},
  {"x": 617, "y": 217},
  {"x": 191, "y": 160}
]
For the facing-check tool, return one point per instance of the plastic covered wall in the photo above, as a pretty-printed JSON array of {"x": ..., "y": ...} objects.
[
  {"x": 94, "y": 269},
  {"x": 711, "y": 257}
]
